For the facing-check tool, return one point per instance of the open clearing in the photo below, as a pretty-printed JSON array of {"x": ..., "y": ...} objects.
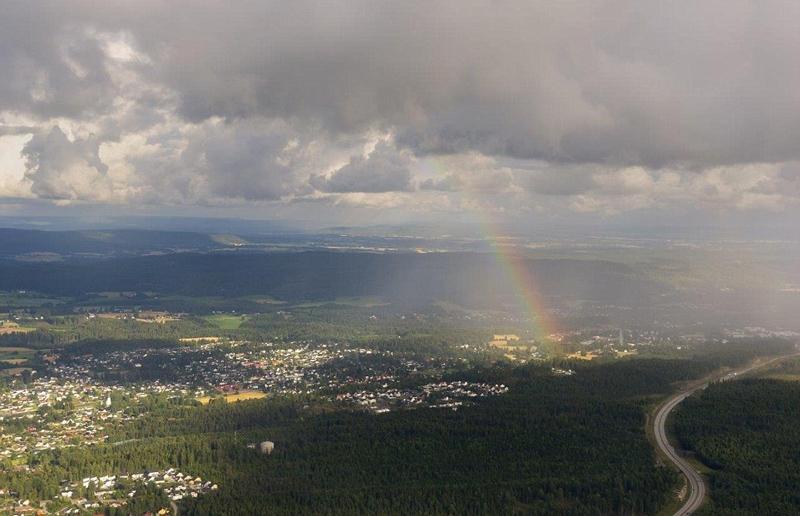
[
  {"x": 12, "y": 299},
  {"x": 200, "y": 339},
  {"x": 363, "y": 302},
  {"x": 226, "y": 321},
  {"x": 264, "y": 300},
  {"x": 15, "y": 329},
  {"x": 5, "y": 350},
  {"x": 242, "y": 396},
  {"x": 15, "y": 355},
  {"x": 578, "y": 356},
  {"x": 13, "y": 371}
]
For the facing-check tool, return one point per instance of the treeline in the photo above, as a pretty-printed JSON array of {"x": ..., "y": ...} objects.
[
  {"x": 747, "y": 432},
  {"x": 73, "y": 329},
  {"x": 641, "y": 377},
  {"x": 94, "y": 244},
  {"x": 737, "y": 352},
  {"x": 100, "y": 346}
]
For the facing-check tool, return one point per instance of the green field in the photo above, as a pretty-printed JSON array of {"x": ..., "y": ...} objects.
[
  {"x": 263, "y": 300},
  {"x": 27, "y": 299},
  {"x": 362, "y": 301},
  {"x": 15, "y": 355},
  {"x": 226, "y": 321}
]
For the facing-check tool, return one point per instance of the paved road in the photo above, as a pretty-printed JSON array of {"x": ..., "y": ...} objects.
[{"x": 697, "y": 487}]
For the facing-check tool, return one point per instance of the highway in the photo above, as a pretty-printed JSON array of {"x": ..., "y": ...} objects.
[{"x": 697, "y": 488}]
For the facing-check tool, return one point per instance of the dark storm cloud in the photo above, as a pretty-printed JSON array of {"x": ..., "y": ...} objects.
[
  {"x": 252, "y": 161},
  {"x": 562, "y": 181},
  {"x": 448, "y": 184},
  {"x": 245, "y": 164},
  {"x": 661, "y": 85},
  {"x": 384, "y": 170},
  {"x": 49, "y": 66},
  {"x": 700, "y": 83}
]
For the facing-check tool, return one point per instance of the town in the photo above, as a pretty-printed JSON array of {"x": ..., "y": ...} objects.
[
  {"x": 78, "y": 396},
  {"x": 75, "y": 400}
]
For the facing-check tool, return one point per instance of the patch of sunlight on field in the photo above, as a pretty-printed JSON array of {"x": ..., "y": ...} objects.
[
  {"x": 4, "y": 350},
  {"x": 200, "y": 339},
  {"x": 578, "y": 356},
  {"x": 227, "y": 321},
  {"x": 11, "y": 355},
  {"x": 13, "y": 371},
  {"x": 242, "y": 396},
  {"x": 16, "y": 329},
  {"x": 363, "y": 302},
  {"x": 264, "y": 300}
]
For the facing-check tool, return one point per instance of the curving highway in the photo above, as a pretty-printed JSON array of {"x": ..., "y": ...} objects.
[{"x": 697, "y": 487}]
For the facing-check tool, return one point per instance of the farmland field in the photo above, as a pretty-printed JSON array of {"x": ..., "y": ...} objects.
[
  {"x": 361, "y": 301},
  {"x": 264, "y": 300},
  {"x": 227, "y": 321},
  {"x": 14, "y": 371},
  {"x": 241, "y": 396},
  {"x": 15, "y": 299},
  {"x": 15, "y": 355},
  {"x": 14, "y": 329}
]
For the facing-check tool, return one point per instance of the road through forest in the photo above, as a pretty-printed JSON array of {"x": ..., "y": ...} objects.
[{"x": 697, "y": 488}]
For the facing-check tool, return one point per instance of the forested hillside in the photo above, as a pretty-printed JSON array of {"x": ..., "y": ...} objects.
[
  {"x": 747, "y": 432},
  {"x": 472, "y": 279}
]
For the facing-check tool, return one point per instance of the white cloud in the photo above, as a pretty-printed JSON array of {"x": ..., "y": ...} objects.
[
  {"x": 384, "y": 169},
  {"x": 12, "y": 167},
  {"x": 66, "y": 170},
  {"x": 747, "y": 187},
  {"x": 409, "y": 105}
]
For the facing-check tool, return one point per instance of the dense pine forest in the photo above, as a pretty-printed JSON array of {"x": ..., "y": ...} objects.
[{"x": 747, "y": 432}]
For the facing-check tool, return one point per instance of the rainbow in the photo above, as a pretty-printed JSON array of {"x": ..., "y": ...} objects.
[
  {"x": 511, "y": 263},
  {"x": 523, "y": 283}
]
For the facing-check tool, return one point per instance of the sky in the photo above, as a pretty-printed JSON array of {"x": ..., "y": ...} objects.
[{"x": 360, "y": 112}]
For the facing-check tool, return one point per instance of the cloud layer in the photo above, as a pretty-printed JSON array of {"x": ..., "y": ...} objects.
[{"x": 577, "y": 105}]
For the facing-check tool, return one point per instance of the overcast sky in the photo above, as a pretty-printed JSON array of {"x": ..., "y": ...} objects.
[{"x": 360, "y": 112}]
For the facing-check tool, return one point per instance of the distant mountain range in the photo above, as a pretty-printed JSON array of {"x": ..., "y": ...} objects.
[
  {"x": 303, "y": 266},
  {"x": 34, "y": 245},
  {"x": 48, "y": 246}
]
